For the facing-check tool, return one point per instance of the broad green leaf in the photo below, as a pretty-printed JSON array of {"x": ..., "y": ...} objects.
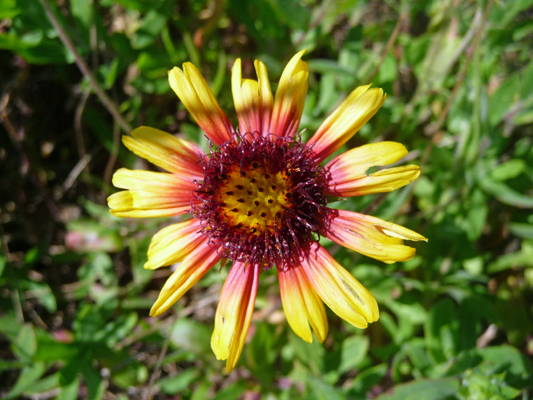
[
  {"x": 365, "y": 380},
  {"x": 503, "y": 98},
  {"x": 25, "y": 344},
  {"x": 508, "y": 170},
  {"x": 423, "y": 389},
  {"x": 8, "y": 9},
  {"x": 180, "y": 382},
  {"x": 522, "y": 230},
  {"x": 231, "y": 392},
  {"x": 505, "y": 194},
  {"x": 191, "y": 336},
  {"x": 28, "y": 376},
  {"x": 354, "y": 350},
  {"x": 521, "y": 258},
  {"x": 320, "y": 390}
]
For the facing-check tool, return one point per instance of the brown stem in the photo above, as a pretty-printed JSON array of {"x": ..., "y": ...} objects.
[
  {"x": 157, "y": 371},
  {"x": 388, "y": 47},
  {"x": 108, "y": 103},
  {"x": 80, "y": 143}
]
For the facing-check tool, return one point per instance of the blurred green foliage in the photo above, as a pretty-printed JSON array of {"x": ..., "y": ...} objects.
[{"x": 456, "y": 321}]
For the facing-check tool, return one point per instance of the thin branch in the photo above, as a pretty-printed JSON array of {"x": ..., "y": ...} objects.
[
  {"x": 433, "y": 128},
  {"x": 78, "y": 130},
  {"x": 314, "y": 23},
  {"x": 157, "y": 371},
  {"x": 108, "y": 103},
  {"x": 388, "y": 47}
]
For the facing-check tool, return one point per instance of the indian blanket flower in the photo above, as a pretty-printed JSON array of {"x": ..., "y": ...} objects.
[{"x": 258, "y": 198}]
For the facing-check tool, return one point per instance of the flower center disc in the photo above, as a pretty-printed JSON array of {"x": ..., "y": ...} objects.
[
  {"x": 260, "y": 198},
  {"x": 255, "y": 199}
]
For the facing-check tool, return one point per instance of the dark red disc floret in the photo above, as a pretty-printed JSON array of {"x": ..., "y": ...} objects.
[{"x": 297, "y": 225}]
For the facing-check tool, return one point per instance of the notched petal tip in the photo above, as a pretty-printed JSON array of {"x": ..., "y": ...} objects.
[
  {"x": 338, "y": 288},
  {"x": 370, "y": 236},
  {"x": 355, "y": 111}
]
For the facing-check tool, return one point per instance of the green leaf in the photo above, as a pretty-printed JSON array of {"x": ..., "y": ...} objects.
[
  {"x": 423, "y": 389},
  {"x": 42, "y": 292},
  {"x": 70, "y": 390},
  {"x": 320, "y": 390},
  {"x": 49, "y": 349},
  {"x": 151, "y": 26},
  {"x": 521, "y": 258},
  {"x": 3, "y": 263},
  {"x": 117, "y": 329},
  {"x": 440, "y": 330},
  {"x": 82, "y": 10},
  {"x": 499, "y": 359},
  {"x": 508, "y": 170},
  {"x": 510, "y": 360},
  {"x": 28, "y": 376},
  {"x": 25, "y": 344},
  {"x": 191, "y": 336},
  {"x": 261, "y": 353},
  {"x": 368, "y": 378},
  {"x": 503, "y": 98},
  {"x": 93, "y": 379},
  {"x": 8, "y": 9},
  {"x": 505, "y": 194},
  {"x": 522, "y": 230},
  {"x": 180, "y": 382},
  {"x": 43, "y": 385},
  {"x": 231, "y": 392},
  {"x": 354, "y": 350}
]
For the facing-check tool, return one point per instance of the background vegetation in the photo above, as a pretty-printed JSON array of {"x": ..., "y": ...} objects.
[{"x": 456, "y": 321}]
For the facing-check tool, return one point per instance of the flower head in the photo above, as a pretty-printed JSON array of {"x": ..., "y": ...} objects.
[{"x": 259, "y": 199}]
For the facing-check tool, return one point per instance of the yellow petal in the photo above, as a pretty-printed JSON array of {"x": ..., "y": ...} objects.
[
  {"x": 150, "y": 181},
  {"x": 301, "y": 303},
  {"x": 265, "y": 94},
  {"x": 151, "y": 194},
  {"x": 346, "y": 120},
  {"x": 234, "y": 313},
  {"x": 370, "y": 236},
  {"x": 166, "y": 151},
  {"x": 195, "y": 94},
  {"x": 247, "y": 101},
  {"x": 173, "y": 243},
  {"x": 354, "y": 163},
  {"x": 385, "y": 180},
  {"x": 338, "y": 288},
  {"x": 290, "y": 97},
  {"x": 190, "y": 271}
]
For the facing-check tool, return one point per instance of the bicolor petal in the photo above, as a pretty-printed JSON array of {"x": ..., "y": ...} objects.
[
  {"x": 166, "y": 151},
  {"x": 338, "y": 288},
  {"x": 290, "y": 98},
  {"x": 346, "y": 120},
  {"x": 301, "y": 303},
  {"x": 253, "y": 99},
  {"x": 174, "y": 243},
  {"x": 150, "y": 194},
  {"x": 370, "y": 236},
  {"x": 194, "y": 92},
  {"x": 234, "y": 312},
  {"x": 190, "y": 271},
  {"x": 265, "y": 93},
  {"x": 346, "y": 173}
]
